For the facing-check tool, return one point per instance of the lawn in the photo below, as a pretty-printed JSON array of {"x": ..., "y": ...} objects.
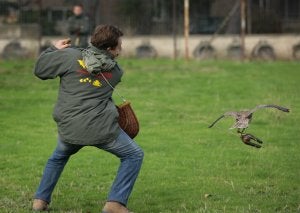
[{"x": 187, "y": 167}]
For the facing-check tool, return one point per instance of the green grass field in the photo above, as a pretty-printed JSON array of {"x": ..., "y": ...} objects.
[{"x": 187, "y": 167}]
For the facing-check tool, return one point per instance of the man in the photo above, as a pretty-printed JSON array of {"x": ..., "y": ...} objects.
[
  {"x": 79, "y": 27},
  {"x": 86, "y": 114}
]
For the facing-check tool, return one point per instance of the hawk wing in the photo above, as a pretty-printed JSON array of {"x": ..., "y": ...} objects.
[
  {"x": 268, "y": 106},
  {"x": 233, "y": 114}
]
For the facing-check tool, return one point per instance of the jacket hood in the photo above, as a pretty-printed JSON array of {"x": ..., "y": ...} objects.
[{"x": 97, "y": 60}]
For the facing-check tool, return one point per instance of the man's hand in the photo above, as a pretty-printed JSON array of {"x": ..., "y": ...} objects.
[{"x": 61, "y": 44}]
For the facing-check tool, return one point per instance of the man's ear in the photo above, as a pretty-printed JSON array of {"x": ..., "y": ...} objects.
[{"x": 111, "y": 48}]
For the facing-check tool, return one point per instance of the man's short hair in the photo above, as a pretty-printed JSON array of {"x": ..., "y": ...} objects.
[
  {"x": 78, "y": 5},
  {"x": 106, "y": 36}
]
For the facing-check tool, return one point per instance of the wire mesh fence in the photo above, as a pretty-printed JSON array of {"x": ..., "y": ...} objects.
[{"x": 151, "y": 17}]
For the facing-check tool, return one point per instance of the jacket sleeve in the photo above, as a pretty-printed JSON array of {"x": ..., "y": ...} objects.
[{"x": 52, "y": 63}]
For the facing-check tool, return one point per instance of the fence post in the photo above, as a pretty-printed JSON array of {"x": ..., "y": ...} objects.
[
  {"x": 186, "y": 28},
  {"x": 40, "y": 7},
  {"x": 243, "y": 28},
  {"x": 174, "y": 29}
]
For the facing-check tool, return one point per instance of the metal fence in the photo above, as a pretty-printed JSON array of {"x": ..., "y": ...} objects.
[{"x": 157, "y": 17}]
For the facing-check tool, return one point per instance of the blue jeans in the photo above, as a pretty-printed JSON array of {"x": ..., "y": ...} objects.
[{"x": 129, "y": 153}]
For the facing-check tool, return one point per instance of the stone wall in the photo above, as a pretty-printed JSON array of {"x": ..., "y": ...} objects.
[
  {"x": 280, "y": 47},
  {"x": 19, "y": 41}
]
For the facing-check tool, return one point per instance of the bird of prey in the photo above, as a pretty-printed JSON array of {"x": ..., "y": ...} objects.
[{"x": 243, "y": 119}]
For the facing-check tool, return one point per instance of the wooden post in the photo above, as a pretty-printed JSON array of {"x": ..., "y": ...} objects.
[
  {"x": 40, "y": 6},
  {"x": 186, "y": 28},
  {"x": 174, "y": 29},
  {"x": 249, "y": 17},
  {"x": 243, "y": 28}
]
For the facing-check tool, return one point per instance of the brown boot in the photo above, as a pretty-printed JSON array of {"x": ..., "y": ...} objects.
[
  {"x": 39, "y": 205},
  {"x": 114, "y": 207}
]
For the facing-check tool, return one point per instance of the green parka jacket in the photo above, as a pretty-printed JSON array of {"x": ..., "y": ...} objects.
[{"x": 85, "y": 112}]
